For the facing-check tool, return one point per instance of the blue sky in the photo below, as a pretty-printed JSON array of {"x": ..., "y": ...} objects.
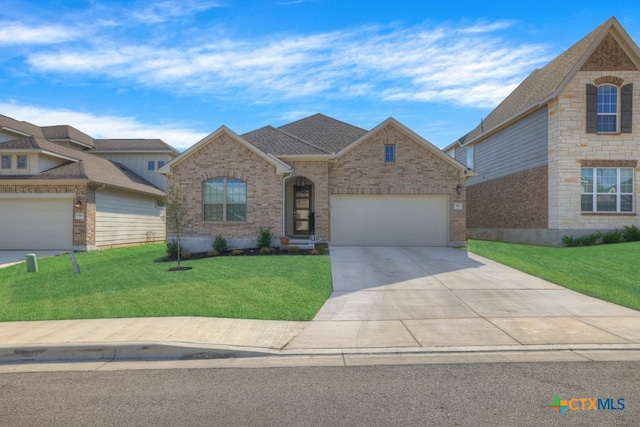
[{"x": 179, "y": 69}]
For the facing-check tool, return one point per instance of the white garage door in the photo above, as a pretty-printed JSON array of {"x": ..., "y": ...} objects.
[
  {"x": 36, "y": 224},
  {"x": 390, "y": 220}
]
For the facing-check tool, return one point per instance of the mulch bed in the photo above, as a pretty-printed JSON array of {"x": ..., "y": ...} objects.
[{"x": 246, "y": 252}]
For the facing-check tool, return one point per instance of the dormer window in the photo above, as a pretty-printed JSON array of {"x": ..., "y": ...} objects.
[
  {"x": 22, "y": 162},
  {"x": 6, "y": 162}
]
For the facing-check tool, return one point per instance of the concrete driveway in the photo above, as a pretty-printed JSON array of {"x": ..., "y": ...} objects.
[
  {"x": 444, "y": 297},
  {"x": 8, "y": 258}
]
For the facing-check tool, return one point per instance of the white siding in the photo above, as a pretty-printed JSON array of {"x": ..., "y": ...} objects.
[{"x": 125, "y": 218}]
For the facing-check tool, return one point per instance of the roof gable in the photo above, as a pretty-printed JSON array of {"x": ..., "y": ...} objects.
[
  {"x": 415, "y": 137},
  {"x": 280, "y": 166},
  {"x": 545, "y": 84}
]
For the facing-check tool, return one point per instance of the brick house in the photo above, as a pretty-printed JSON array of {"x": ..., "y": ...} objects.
[
  {"x": 386, "y": 186},
  {"x": 62, "y": 189},
  {"x": 559, "y": 156}
]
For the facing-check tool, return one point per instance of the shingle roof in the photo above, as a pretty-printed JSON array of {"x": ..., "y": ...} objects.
[
  {"x": 23, "y": 127},
  {"x": 273, "y": 141},
  {"x": 323, "y": 132},
  {"x": 66, "y": 132},
  {"x": 104, "y": 145},
  {"x": 87, "y": 166},
  {"x": 540, "y": 85}
]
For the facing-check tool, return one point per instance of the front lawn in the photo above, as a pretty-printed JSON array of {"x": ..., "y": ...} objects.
[
  {"x": 608, "y": 272},
  {"x": 127, "y": 282}
]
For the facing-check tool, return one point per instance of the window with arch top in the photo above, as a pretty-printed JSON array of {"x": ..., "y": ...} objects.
[
  {"x": 609, "y": 108},
  {"x": 225, "y": 199}
]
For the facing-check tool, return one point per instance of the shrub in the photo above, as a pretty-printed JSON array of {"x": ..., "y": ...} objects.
[
  {"x": 614, "y": 236},
  {"x": 213, "y": 253},
  {"x": 292, "y": 250},
  {"x": 237, "y": 252},
  {"x": 588, "y": 240},
  {"x": 264, "y": 237},
  {"x": 185, "y": 255},
  {"x": 322, "y": 248},
  {"x": 220, "y": 244},
  {"x": 266, "y": 251},
  {"x": 172, "y": 248},
  {"x": 631, "y": 233}
]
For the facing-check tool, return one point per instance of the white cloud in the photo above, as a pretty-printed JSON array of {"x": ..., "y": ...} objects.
[
  {"x": 468, "y": 65},
  {"x": 165, "y": 10},
  {"x": 22, "y": 34},
  {"x": 175, "y": 134}
]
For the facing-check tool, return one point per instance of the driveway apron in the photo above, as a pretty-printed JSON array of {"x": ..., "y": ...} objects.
[{"x": 444, "y": 297}]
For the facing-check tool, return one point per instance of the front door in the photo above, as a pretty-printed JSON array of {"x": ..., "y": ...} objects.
[{"x": 301, "y": 209}]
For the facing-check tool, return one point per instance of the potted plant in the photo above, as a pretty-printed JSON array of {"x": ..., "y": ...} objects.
[{"x": 284, "y": 240}]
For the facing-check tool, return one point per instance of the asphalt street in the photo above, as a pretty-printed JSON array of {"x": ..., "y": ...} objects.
[{"x": 512, "y": 394}]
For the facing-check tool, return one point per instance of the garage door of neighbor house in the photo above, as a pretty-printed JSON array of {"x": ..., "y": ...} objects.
[
  {"x": 390, "y": 220},
  {"x": 36, "y": 223}
]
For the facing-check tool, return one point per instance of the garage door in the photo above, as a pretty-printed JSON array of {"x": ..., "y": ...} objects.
[
  {"x": 390, "y": 220},
  {"x": 36, "y": 224}
]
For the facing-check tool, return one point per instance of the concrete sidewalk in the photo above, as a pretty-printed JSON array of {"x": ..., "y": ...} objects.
[{"x": 403, "y": 303}]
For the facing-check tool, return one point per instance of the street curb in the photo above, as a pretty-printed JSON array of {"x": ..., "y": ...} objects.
[{"x": 141, "y": 352}]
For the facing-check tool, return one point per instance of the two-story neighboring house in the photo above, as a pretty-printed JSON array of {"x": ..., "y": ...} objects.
[
  {"x": 559, "y": 156},
  {"x": 62, "y": 189}
]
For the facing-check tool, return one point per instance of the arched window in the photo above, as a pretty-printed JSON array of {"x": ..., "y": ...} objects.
[
  {"x": 225, "y": 199},
  {"x": 607, "y": 109}
]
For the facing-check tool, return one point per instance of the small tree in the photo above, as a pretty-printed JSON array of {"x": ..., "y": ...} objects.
[{"x": 176, "y": 213}]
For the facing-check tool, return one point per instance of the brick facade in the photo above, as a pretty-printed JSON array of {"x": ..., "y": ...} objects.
[
  {"x": 519, "y": 200},
  {"x": 362, "y": 170}
]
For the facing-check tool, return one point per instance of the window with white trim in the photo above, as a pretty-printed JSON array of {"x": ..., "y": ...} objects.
[
  {"x": 607, "y": 109},
  {"x": 6, "y": 162},
  {"x": 607, "y": 190},
  {"x": 21, "y": 162},
  {"x": 225, "y": 199},
  {"x": 469, "y": 152}
]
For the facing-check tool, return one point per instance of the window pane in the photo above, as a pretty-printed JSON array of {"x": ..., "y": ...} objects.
[
  {"x": 607, "y": 180},
  {"x": 236, "y": 191},
  {"x": 470, "y": 157},
  {"x": 626, "y": 203},
  {"x": 607, "y": 99},
  {"x": 214, "y": 191},
  {"x": 606, "y": 203},
  {"x": 586, "y": 178},
  {"x": 160, "y": 164},
  {"x": 213, "y": 212},
  {"x": 626, "y": 180},
  {"x": 586, "y": 203},
  {"x": 236, "y": 212},
  {"x": 606, "y": 123},
  {"x": 151, "y": 166},
  {"x": 22, "y": 162},
  {"x": 389, "y": 153},
  {"x": 6, "y": 162}
]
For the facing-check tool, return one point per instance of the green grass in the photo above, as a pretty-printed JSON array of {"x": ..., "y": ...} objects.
[
  {"x": 608, "y": 272},
  {"x": 127, "y": 283}
]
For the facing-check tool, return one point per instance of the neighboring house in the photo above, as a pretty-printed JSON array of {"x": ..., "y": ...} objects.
[
  {"x": 62, "y": 189},
  {"x": 559, "y": 156},
  {"x": 386, "y": 186}
]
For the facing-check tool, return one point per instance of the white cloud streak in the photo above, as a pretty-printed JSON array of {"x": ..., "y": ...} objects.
[
  {"x": 108, "y": 126},
  {"x": 464, "y": 65},
  {"x": 21, "y": 34}
]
